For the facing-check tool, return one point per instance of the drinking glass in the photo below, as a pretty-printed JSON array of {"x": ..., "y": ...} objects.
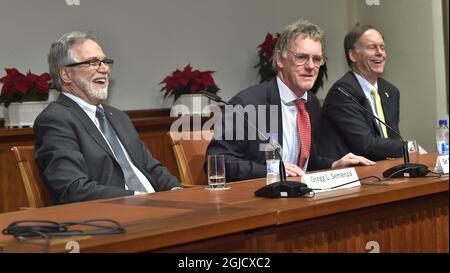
[
  {"x": 216, "y": 172},
  {"x": 413, "y": 151}
]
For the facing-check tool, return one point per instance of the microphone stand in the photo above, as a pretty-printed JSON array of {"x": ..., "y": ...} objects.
[
  {"x": 406, "y": 169},
  {"x": 282, "y": 188}
]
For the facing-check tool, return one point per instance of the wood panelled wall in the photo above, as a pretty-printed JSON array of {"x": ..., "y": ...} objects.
[
  {"x": 152, "y": 126},
  {"x": 407, "y": 226}
]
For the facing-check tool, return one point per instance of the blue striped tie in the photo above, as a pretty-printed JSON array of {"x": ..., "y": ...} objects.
[{"x": 131, "y": 179}]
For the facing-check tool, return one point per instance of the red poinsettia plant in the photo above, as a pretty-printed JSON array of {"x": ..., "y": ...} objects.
[
  {"x": 266, "y": 72},
  {"x": 188, "y": 81},
  {"x": 265, "y": 55},
  {"x": 18, "y": 87}
]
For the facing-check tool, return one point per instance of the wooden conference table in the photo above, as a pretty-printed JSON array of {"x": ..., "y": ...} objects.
[{"x": 405, "y": 215}]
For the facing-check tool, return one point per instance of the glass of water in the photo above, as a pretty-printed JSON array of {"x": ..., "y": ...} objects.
[
  {"x": 413, "y": 150},
  {"x": 216, "y": 172}
]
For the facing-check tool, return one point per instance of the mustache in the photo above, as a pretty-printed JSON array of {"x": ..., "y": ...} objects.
[{"x": 100, "y": 76}]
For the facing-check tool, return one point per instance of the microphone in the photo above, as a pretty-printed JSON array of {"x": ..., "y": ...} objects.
[
  {"x": 282, "y": 188},
  {"x": 406, "y": 169},
  {"x": 213, "y": 97}
]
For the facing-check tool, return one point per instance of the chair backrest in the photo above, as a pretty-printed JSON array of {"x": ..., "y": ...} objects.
[
  {"x": 190, "y": 151},
  {"x": 37, "y": 193}
]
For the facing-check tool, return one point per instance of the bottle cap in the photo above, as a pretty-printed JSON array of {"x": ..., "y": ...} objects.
[{"x": 442, "y": 122}]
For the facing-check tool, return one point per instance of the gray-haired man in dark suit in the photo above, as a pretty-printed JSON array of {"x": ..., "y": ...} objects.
[{"x": 85, "y": 149}]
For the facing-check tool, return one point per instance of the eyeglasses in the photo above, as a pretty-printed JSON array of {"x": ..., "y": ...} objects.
[
  {"x": 93, "y": 64},
  {"x": 301, "y": 59}
]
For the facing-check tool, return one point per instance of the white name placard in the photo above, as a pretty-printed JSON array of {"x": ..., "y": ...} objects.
[
  {"x": 442, "y": 164},
  {"x": 332, "y": 180}
]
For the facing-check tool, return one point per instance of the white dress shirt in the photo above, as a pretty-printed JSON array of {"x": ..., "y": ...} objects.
[
  {"x": 367, "y": 88},
  {"x": 90, "y": 110},
  {"x": 289, "y": 111}
]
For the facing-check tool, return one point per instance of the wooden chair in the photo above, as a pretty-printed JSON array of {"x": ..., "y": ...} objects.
[
  {"x": 190, "y": 149},
  {"x": 37, "y": 193}
]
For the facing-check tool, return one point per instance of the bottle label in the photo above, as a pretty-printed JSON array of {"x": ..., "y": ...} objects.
[
  {"x": 442, "y": 147},
  {"x": 273, "y": 166},
  {"x": 273, "y": 171}
]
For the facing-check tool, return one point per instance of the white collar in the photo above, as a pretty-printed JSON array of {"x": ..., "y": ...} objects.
[
  {"x": 365, "y": 84},
  {"x": 87, "y": 107},
  {"x": 286, "y": 95}
]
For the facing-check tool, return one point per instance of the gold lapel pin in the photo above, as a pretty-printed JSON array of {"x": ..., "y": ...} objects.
[{"x": 386, "y": 94}]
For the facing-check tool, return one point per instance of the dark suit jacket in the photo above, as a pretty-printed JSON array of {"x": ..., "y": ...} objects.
[
  {"x": 243, "y": 158},
  {"x": 76, "y": 162},
  {"x": 347, "y": 128}
]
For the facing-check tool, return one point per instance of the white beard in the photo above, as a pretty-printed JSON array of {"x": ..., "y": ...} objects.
[
  {"x": 99, "y": 94},
  {"x": 90, "y": 89}
]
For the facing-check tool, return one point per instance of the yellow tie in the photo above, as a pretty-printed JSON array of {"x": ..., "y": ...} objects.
[{"x": 379, "y": 110}]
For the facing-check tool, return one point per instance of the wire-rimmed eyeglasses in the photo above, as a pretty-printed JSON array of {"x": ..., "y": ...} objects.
[{"x": 301, "y": 58}]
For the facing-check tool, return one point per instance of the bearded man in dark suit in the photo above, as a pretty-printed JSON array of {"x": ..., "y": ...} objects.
[{"x": 85, "y": 149}]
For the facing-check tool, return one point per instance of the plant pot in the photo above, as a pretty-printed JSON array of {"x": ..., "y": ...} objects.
[
  {"x": 191, "y": 104},
  {"x": 23, "y": 114}
]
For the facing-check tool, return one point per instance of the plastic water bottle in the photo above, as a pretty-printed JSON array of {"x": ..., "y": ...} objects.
[
  {"x": 273, "y": 160},
  {"x": 442, "y": 137}
]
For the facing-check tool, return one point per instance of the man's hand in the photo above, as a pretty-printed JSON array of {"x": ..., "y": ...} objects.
[
  {"x": 350, "y": 160},
  {"x": 293, "y": 170}
]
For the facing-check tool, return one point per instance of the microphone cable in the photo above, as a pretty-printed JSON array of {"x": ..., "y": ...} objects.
[
  {"x": 43, "y": 229},
  {"x": 436, "y": 175}
]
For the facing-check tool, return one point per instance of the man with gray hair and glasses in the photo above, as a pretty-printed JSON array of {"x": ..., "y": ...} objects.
[
  {"x": 298, "y": 55},
  {"x": 84, "y": 149}
]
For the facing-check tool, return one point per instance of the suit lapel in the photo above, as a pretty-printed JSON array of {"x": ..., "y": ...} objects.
[
  {"x": 385, "y": 102},
  {"x": 309, "y": 108},
  {"x": 273, "y": 98},
  {"x": 375, "y": 124},
  {"x": 313, "y": 114},
  {"x": 122, "y": 134},
  {"x": 124, "y": 137},
  {"x": 365, "y": 102},
  {"x": 118, "y": 128},
  {"x": 86, "y": 121}
]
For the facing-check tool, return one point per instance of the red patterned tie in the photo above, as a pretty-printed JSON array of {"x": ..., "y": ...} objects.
[{"x": 304, "y": 131}]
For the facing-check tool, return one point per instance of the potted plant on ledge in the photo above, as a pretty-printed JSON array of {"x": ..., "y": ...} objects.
[
  {"x": 185, "y": 87},
  {"x": 23, "y": 97}
]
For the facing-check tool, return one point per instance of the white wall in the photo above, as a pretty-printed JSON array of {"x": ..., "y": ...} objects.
[
  {"x": 150, "y": 39},
  {"x": 413, "y": 35},
  {"x": 441, "y": 75}
]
